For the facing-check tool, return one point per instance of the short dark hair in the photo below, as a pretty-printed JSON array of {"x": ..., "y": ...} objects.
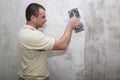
[{"x": 33, "y": 9}]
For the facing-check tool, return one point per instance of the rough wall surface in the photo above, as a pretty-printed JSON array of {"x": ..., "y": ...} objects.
[
  {"x": 93, "y": 54},
  {"x": 102, "y": 40}
]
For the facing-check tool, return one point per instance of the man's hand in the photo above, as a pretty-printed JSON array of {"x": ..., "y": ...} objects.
[{"x": 73, "y": 22}]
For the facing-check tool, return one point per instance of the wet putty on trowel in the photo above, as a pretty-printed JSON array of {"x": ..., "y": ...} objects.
[{"x": 75, "y": 12}]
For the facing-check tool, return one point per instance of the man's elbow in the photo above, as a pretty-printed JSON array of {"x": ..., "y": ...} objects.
[{"x": 62, "y": 47}]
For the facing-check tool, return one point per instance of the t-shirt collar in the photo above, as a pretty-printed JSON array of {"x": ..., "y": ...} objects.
[{"x": 30, "y": 27}]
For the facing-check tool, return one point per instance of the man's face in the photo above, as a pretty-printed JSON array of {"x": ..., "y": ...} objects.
[{"x": 41, "y": 19}]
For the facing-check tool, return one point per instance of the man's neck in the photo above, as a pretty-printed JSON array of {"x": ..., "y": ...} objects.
[{"x": 31, "y": 24}]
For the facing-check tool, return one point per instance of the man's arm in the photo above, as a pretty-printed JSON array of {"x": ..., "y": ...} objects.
[{"x": 64, "y": 40}]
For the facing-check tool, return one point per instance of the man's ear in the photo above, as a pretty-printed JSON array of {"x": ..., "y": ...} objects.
[{"x": 33, "y": 18}]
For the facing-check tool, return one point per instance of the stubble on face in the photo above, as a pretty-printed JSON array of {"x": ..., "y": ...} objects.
[{"x": 41, "y": 18}]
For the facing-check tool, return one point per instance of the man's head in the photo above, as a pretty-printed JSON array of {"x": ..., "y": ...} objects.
[{"x": 35, "y": 14}]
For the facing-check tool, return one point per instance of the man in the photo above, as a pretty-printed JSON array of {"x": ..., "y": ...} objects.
[{"x": 33, "y": 43}]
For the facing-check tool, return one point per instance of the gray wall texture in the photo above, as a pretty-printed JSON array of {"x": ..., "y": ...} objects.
[
  {"x": 93, "y": 54},
  {"x": 102, "y": 40}
]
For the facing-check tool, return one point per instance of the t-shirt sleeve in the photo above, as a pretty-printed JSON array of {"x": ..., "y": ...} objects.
[{"x": 40, "y": 42}]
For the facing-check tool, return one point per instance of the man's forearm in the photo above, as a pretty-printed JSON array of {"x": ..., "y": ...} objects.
[{"x": 64, "y": 40}]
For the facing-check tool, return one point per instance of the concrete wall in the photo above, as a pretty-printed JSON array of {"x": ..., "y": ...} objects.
[
  {"x": 102, "y": 40},
  {"x": 92, "y": 54},
  {"x": 11, "y": 17}
]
